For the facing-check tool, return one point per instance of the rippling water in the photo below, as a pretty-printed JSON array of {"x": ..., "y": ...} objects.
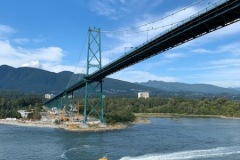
[{"x": 163, "y": 139}]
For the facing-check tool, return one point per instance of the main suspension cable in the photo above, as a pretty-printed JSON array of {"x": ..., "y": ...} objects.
[
  {"x": 130, "y": 31},
  {"x": 80, "y": 56}
]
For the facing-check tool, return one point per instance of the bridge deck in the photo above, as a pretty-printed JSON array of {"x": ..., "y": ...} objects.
[{"x": 217, "y": 16}]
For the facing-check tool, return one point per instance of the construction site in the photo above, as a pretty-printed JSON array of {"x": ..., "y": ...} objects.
[{"x": 69, "y": 117}]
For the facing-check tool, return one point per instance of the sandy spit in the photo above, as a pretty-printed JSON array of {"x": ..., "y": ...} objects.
[{"x": 94, "y": 128}]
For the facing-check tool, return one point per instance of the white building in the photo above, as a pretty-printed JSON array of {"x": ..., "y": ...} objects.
[
  {"x": 143, "y": 95},
  {"x": 49, "y": 96},
  {"x": 23, "y": 113},
  {"x": 11, "y": 119}
]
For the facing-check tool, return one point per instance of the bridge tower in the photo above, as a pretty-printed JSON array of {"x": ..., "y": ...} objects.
[{"x": 93, "y": 101}]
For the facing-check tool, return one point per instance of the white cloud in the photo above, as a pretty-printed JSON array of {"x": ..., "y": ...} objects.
[
  {"x": 59, "y": 68},
  {"x": 137, "y": 35},
  {"x": 6, "y": 29},
  {"x": 230, "y": 49},
  {"x": 224, "y": 83},
  {"x": 228, "y": 77},
  {"x": 17, "y": 57},
  {"x": 214, "y": 65},
  {"x": 49, "y": 58},
  {"x": 116, "y": 9},
  {"x": 123, "y": 40},
  {"x": 145, "y": 30},
  {"x": 228, "y": 62},
  {"x": 198, "y": 68},
  {"x": 201, "y": 50},
  {"x": 33, "y": 64},
  {"x": 222, "y": 72},
  {"x": 174, "y": 55},
  {"x": 104, "y": 8},
  {"x": 140, "y": 76},
  {"x": 21, "y": 40},
  {"x": 49, "y": 54},
  {"x": 228, "y": 30},
  {"x": 233, "y": 48}
]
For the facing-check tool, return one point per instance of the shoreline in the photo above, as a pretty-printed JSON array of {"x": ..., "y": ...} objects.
[
  {"x": 66, "y": 127},
  {"x": 28, "y": 124},
  {"x": 176, "y": 115},
  {"x": 141, "y": 118}
]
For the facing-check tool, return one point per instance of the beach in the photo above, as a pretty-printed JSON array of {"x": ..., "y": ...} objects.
[
  {"x": 66, "y": 126},
  {"x": 141, "y": 118}
]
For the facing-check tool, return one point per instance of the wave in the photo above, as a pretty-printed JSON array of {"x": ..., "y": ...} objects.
[
  {"x": 188, "y": 155},
  {"x": 63, "y": 155},
  {"x": 86, "y": 146}
]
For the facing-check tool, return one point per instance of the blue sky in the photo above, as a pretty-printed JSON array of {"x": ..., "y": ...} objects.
[{"x": 51, "y": 35}]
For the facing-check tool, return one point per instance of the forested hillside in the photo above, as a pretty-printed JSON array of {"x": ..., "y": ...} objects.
[{"x": 38, "y": 81}]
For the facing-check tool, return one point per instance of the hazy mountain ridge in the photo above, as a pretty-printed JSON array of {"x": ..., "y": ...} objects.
[
  {"x": 40, "y": 81},
  {"x": 237, "y": 88},
  {"x": 32, "y": 80},
  {"x": 179, "y": 87}
]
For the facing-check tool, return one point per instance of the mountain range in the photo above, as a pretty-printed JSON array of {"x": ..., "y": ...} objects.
[
  {"x": 32, "y": 80},
  {"x": 179, "y": 87}
]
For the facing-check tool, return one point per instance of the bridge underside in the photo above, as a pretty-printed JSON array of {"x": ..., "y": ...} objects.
[{"x": 208, "y": 21}]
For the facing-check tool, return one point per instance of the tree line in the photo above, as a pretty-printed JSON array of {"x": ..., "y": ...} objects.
[
  {"x": 203, "y": 106},
  {"x": 123, "y": 109}
]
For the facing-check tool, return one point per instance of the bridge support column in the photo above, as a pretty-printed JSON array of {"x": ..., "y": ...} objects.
[{"x": 93, "y": 101}]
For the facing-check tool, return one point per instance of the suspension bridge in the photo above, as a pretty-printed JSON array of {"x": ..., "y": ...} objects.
[{"x": 214, "y": 17}]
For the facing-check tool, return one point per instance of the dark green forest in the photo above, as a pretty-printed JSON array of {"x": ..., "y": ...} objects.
[
  {"x": 11, "y": 102},
  {"x": 204, "y": 106},
  {"x": 123, "y": 109}
]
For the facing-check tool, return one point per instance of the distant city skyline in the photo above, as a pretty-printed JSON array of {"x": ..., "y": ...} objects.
[{"x": 52, "y": 35}]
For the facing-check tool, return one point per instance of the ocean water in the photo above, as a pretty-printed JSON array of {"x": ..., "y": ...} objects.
[{"x": 163, "y": 139}]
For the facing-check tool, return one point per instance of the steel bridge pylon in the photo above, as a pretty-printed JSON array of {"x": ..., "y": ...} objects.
[{"x": 93, "y": 101}]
